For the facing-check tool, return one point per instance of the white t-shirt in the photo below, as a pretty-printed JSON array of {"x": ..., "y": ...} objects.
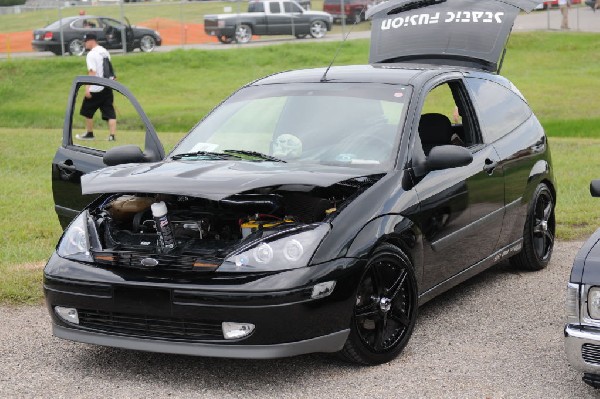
[{"x": 94, "y": 61}]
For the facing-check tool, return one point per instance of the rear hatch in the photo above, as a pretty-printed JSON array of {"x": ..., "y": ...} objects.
[{"x": 470, "y": 33}]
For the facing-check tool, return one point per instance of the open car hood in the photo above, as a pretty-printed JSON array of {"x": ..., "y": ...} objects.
[
  {"x": 213, "y": 180},
  {"x": 471, "y": 33}
]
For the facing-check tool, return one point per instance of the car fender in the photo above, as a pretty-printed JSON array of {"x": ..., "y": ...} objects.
[{"x": 586, "y": 266}]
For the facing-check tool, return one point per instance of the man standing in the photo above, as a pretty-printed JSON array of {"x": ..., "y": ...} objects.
[
  {"x": 564, "y": 10},
  {"x": 97, "y": 97}
]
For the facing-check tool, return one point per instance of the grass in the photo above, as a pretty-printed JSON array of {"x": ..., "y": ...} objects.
[{"x": 555, "y": 71}]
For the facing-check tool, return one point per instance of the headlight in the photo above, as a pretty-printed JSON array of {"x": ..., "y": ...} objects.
[
  {"x": 572, "y": 303},
  {"x": 75, "y": 242},
  {"x": 286, "y": 250},
  {"x": 156, "y": 33},
  {"x": 594, "y": 302}
]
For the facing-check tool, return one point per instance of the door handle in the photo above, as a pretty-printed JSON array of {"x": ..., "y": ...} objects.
[
  {"x": 489, "y": 166},
  {"x": 67, "y": 165}
]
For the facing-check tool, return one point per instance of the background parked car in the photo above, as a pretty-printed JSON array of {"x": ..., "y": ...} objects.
[
  {"x": 108, "y": 31},
  {"x": 554, "y": 3},
  {"x": 353, "y": 10}
]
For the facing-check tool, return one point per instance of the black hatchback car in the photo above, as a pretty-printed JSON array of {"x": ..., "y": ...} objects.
[
  {"x": 109, "y": 32},
  {"x": 313, "y": 210}
]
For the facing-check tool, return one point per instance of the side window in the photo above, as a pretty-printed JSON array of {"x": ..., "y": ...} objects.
[
  {"x": 446, "y": 118},
  {"x": 500, "y": 110},
  {"x": 99, "y": 115},
  {"x": 290, "y": 7},
  {"x": 87, "y": 23},
  {"x": 274, "y": 7},
  {"x": 256, "y": 7}
]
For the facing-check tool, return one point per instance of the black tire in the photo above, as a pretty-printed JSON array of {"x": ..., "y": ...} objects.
[
  {"x": 386, "y": 308},
  {"x": 301, "y": 35},
  {"x": 538, "y": 234},
  {"x": 318, "y": 29},
  {"x": 243, "y": 33},
  {"x": 76, "y": 47},
  {"x": 225, "y": 39}
]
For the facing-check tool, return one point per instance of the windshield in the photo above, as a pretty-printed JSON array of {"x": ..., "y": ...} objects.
[{"x": 326, "y": 123}]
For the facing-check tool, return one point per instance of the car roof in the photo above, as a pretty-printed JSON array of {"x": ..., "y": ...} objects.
[{"x": 400, "y": 73}]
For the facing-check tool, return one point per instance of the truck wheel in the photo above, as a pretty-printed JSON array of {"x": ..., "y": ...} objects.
[
  {"x": 243, "y": 34},
  {"x": 225, "y": 39},
  {"x": 318, "y": 29},
  {"x": 301, "y": 36}
]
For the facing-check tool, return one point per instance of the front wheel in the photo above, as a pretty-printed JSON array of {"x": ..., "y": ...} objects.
[
  {"x": 76, "y": 47},
  {"x": 243, "y": 34},
  {"x": 538, "y": 234},
  {"x": 147, "y": 44},
  {"x": 318, "y": 29},
  {"x": 385, "y": 311}
]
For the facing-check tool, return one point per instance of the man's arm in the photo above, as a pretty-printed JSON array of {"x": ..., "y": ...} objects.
[{"x": 91, "y": 72}]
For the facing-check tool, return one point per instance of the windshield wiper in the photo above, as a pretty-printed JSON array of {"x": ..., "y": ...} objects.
[
  {"x": 206, "y": 155},
  {"x": 256, "y": 154}
]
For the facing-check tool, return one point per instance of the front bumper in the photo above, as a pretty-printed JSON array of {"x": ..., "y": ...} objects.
[
  {"x": 137, "y": 309},
  {"x": 582, "y": 345}
]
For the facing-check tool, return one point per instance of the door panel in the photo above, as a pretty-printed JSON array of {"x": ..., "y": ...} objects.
[
  {"x": 75, "y": 157},
  {"x": 461, "y": 212}
]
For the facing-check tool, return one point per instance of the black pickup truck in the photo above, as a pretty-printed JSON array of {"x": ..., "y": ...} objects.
[{"x": 268, "y": 17}]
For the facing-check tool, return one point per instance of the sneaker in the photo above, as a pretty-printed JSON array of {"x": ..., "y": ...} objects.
[
  {"x": 86, "y": 136},
  {"x": 112, "y": 138}
]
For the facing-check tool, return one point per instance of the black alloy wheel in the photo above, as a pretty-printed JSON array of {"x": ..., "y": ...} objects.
[
  {"x": 538, "y": 237},
  {"x": 385, "y": 311}
]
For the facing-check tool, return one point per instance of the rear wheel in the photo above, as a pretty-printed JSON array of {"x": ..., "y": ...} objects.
[
  {"x": 385, "y": 311},
  {"x": 243, "y": 34},
  {"x": 76, "y": 47},
  {"x": 538, "y": 235},
  {"x": 147, "y": 44},
  {"x": 318, "y": 29}
]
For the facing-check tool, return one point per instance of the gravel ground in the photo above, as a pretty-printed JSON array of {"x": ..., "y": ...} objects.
[{"x": 499, "y": 335}]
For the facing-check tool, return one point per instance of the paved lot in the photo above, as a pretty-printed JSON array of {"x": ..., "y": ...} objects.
[{"x": 497, "y": 336}]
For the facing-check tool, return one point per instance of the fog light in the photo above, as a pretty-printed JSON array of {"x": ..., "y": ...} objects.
[
  {"x": 236, "y": 330},
  {"x": 321, "y": 290},
  {"x": 67, "y": 314}
]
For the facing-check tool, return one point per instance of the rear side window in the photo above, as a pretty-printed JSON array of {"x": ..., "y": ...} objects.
[
  {"x": 256, "y": 7},
  {"x": 500, "y": 110},
  {"x": 274, "y": 7}
]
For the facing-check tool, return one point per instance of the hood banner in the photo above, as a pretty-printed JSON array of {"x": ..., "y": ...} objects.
[{"x": 469, "y": 33}]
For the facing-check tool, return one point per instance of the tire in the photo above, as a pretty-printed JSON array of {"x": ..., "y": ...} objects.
[
  {"x": 385, "y": 311},
  {"x": 225, "y": 39},
  {"x": 538, "y": 234},
  {"x": 301, "y": 36},
  {"x": 147, "y": 44},
  {"x": 318, "y": 29},
  {"x": 243, "y": 34},
  {"x": 76, "y": 47}
]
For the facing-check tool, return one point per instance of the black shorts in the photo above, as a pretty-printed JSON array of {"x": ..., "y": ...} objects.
[{"x": 102, "y": 100}]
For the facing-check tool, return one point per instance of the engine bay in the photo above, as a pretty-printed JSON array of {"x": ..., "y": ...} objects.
[{"x": 125, "y": 228}]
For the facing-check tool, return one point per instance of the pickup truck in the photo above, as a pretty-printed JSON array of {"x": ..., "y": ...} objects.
[{"x": 268, "y": 17}]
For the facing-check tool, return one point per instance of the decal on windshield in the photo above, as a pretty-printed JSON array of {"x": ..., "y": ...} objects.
[{"x": 447, "y": 17}]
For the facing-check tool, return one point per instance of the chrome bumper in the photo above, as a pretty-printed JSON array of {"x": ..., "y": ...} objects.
[{"x": 575, "y": 337}]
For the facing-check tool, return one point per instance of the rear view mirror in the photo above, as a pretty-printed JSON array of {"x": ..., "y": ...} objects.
[
  {"x": 595, "y": 188},
  {"x": 448, "y": 156},
  {"x": 123, "y": 154}
]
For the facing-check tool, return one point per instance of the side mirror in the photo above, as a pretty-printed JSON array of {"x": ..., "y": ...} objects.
[
  {"x": 123, "y": 154},
  {"x": 448, "y": 156},
  {"x": 595, "y": 188}
]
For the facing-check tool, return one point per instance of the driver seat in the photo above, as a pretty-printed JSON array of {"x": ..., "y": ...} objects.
[{"x": 434, "y": 130}]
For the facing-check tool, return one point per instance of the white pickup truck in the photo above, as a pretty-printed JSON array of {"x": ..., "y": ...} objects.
[{"x": 268, "y": 17}]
